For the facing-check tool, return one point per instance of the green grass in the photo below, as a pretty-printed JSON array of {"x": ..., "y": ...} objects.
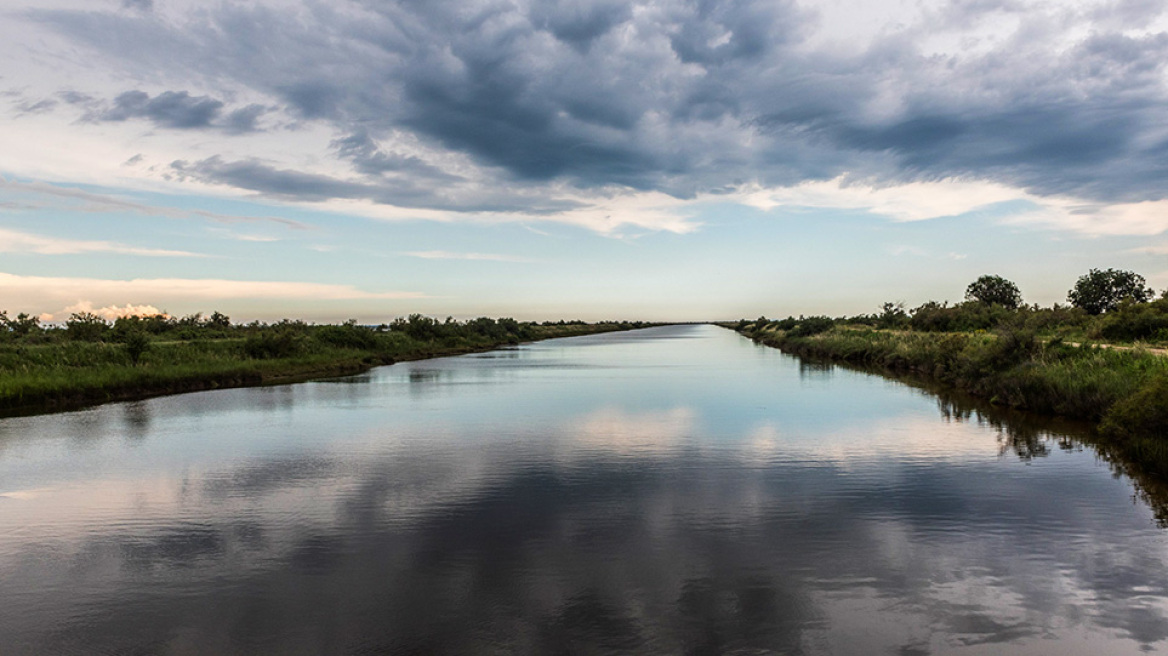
[
  {"x": 1124, "y": 392},
  {"x": 58, "y": 374}
]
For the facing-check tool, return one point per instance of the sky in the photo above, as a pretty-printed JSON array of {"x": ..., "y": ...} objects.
[{"x": 661, "y": 160}]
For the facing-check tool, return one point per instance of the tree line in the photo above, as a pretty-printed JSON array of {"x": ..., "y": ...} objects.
[{"x": 1103, "y": 304}]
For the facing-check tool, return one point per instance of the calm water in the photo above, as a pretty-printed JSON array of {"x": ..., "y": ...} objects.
[{"x": 671, "y": 490}]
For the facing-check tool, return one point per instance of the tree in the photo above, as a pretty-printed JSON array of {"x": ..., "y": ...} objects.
[
  {"x": 22, "y": 325},
  {"x": 994, "y": 290},
  {"x": 86, "y": 327},
  {"x": 892, "y": 315},
  {"x": 1102, "y": 290},
  {"x": 219, "y": 320}
]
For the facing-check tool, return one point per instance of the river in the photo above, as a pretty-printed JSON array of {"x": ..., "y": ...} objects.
[{"x": 668, "y": 490}]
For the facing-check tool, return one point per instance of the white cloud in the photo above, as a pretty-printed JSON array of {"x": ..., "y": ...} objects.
[
  {"x": 919, "y": 201},
  {"x": 87, "y": 201},
  {"x": 12, "y": 241},
  {"x": 915, "y": 201},
  {"x": 39, "y": 291},
  {"x": 1146, "y": 218},
  {"x": 109, "y": 313}
]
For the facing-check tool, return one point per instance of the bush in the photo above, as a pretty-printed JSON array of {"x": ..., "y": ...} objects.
[
  {"x": 86, "y": 327},
  {"x": 347, "y": 335},
  {"x": 971, "y": 315},
  {"x": 892, "y": 316},
  {"x": 136, "y": 343},
  {"x": 268, "y": 344},
  {"x": 1132, "y": 321},
  {"x": 812, "y": 326},
  {"x": 1143, "y": 413}
]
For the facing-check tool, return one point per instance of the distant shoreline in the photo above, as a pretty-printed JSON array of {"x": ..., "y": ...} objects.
[{"x": 197, "y": 367}]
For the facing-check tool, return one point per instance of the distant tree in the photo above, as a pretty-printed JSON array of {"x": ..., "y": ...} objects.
[
  {"x": 85, "y": 327},
  {"x": 892, "y": 315},
  {"x": 1102, "y": 290},
  {"x": 219, "y": 320},
  {"x": 994, "y": 290},
  {"x": 23, "y": 324}
]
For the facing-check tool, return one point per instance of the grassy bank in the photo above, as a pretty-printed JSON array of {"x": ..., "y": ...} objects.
[
  {"x": 47, "y": 370},
  {"x": 1123, "y": 392}
]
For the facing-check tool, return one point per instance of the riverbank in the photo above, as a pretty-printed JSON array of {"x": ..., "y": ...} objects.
[
  {"x": 1124, "y": 393},
  {"x": 49, "y": 377}
]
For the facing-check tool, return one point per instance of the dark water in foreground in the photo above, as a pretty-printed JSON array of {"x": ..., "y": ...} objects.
[{"x": 672, "y": 490}]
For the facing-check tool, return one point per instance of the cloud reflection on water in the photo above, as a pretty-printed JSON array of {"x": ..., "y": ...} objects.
[{"x": 615, "y": 528}]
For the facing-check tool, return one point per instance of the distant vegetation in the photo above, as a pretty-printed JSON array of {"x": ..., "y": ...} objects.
[
  {"x": 1097, "y": 358},
  {"x": 89, "y": 359}
]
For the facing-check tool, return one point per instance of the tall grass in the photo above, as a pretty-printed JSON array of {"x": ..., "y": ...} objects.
[
  {"x": 46, "y": 374},
  {"x": 1124, "y": 391}
]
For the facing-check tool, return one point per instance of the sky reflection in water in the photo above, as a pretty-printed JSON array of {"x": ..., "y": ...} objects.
[{"x": 674, "y": 490}]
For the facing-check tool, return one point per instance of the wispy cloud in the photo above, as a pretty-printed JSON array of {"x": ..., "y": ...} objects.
[
  {"x": 12, "y": 241},
  {"x": 95, "y": 202},
  {"x": 59, "y": 291},
  {"x": 450, "y": 255}
]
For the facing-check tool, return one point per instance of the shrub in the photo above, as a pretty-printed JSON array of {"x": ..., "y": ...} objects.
[
  {"x": 85, "y": 327},
  {"x": 267, "y": 344},
  {"x": 1143, "y": 413},
  {"x": 812, "y": 326},
  {"x": 1132, "y": 321},
  {"x": 971, "y": 315},
  {"x": 136, "y": 343},
  {"x": 347, "y": 335},
  {"x": 892, "y": 315}
]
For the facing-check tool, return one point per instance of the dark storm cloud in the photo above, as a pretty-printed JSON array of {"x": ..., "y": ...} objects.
[
  {"x": 268, "y": 180},
  {"x": 173, "y": 109},
  {"x": 677, "y": 96},
  {"x": 244, "y": 119},
  {"x": 367, "y": 158}
]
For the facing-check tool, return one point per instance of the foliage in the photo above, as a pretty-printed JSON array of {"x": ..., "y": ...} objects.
[
  {"x": 1102, "y": 290},
  {"x": 279, "y": 343},
  {"x": 971, "y": 315},
  {"x": 1133, "y": 321},
  {"x": 994, "y": 290},
  {"x": 86, "y": 327},
  {"x": 1142, "y": 413},
  {"x": 48, "y": 369},
  {"x": 892, "y": 316},
  {"x": 218, "y": 320},
  {"x": 22, "y": 326},
  {"x": 1011, "y": 367},
  {"x": 811, "y": 326},
  {"x": 347, "y": 335},
  {"x": 136, "y": 343}
]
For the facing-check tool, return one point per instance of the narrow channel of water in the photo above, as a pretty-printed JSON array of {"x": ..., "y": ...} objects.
[{"x": 669, "y": 490}]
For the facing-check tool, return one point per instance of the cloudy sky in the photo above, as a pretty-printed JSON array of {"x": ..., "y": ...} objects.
[{"x": 659, "y": 159}]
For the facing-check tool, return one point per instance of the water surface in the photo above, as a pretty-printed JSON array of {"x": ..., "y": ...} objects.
[{"x": 670, "y": 490}]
